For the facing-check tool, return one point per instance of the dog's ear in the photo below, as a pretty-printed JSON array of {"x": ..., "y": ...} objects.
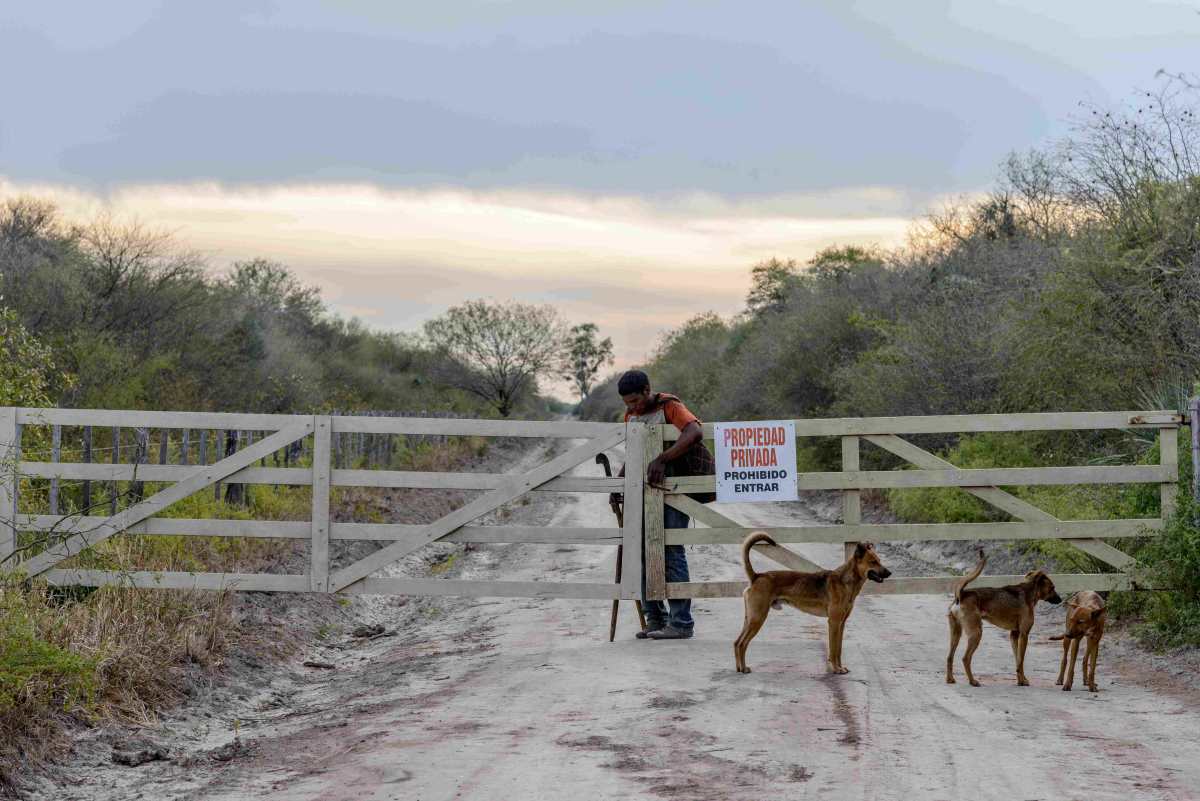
[
  {"x": 861, "y": 549},
  {"x": 1096, "y": 613}
]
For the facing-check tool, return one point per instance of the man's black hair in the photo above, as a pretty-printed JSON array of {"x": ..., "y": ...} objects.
[{"x": 633, "y": 381}]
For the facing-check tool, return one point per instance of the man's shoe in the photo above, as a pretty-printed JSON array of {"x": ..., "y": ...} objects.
[
  {"x": 650, "y": 629},
  {"x": 670, "y": 633}
]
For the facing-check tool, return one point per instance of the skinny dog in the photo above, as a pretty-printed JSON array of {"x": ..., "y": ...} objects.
[
  {"x": 1086, "y": 614},
  {"x": 827, "y": 593},
  {"x": 1009, "y": 608}
]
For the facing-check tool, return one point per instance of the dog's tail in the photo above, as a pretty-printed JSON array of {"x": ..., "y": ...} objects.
[
  {"x": 967, "y": 579},
  {"x": 750, "y": 542}
]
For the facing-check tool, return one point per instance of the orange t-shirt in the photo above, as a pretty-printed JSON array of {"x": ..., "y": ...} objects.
[{"x": 674, "y": 411}]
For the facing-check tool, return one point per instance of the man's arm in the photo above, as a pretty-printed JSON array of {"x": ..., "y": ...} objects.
[{"x": 689, "y": 436}]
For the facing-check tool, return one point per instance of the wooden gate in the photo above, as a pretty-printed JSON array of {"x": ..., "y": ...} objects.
[
  {"x": 1030, "y": 522},
  {"x": 35, "y": 544},
  {"x": 58, "y": 537}
]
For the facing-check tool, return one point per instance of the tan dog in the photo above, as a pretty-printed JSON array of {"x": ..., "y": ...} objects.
[
  {"x": 1086, "y": 614},
  {"x": 1009, "y": 608},
  {"x": 827, "y": 593}
]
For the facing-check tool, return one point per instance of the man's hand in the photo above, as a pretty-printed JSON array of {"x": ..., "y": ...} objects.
[{"x": 656, "y": 472}]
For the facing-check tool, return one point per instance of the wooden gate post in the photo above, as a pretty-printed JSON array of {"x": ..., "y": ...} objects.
[
  {"x": 10, "y": 457},
  {"x": 318, "y": 547},
  {"x": 631, "y": 536},
  {"x": 1168, "y": 457},
  {"x": 652, "y": 513},
  {"x": 851, "y": 499}
]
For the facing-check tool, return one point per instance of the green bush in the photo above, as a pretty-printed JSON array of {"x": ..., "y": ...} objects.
[
  {"x": 1172, "y": 617},
  {"x": 1071, "y": 502},
  {"x": 951, "y": 505}
]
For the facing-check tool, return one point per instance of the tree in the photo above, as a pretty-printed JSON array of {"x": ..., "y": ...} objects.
[
  {"x": 26, "y": 365},
  {"x": 585, "y": 356},
  {"x": 770, "y": 283},
  {"x": 497, "y": 350}
]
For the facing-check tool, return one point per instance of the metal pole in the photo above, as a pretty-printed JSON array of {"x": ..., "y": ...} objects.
[{"x": 1195, "y": 426}]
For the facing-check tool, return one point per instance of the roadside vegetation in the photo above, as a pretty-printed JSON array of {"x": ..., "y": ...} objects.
[{"x": 1073, "y": 285}]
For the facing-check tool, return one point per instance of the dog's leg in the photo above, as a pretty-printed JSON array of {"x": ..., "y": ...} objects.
[
  {"x": 1013, "y": 638},
  {"x": 837, "y": 627},
  {"x": 974, "y": 635},
  {"x": 1071, "y": 669},
  {"x": 757, "y": 610},
  {"x": 1089, "y": 677},
  {"x": 737, "y": 642},
  {"x": 1062, "y": 668},
  {"x": 1022, "y": 644},
  {"x": 955, "y": 635}
]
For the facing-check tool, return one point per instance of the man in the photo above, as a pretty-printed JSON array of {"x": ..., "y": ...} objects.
[{"x": 687, "y": 456}]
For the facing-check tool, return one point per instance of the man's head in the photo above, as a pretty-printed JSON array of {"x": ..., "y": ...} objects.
[{"x": 634, "y": 387}]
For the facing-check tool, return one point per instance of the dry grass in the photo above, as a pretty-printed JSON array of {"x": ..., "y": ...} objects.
[
  {"x": 111, "y": 653},
  {"x": 117, "y": 653}
]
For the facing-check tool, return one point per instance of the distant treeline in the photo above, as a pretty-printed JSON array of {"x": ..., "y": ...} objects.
[
  {"x": 1073, "y": 285},
  {"x": 110, "y": 315}
]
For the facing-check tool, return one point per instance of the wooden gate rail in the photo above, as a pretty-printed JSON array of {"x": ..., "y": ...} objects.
[
  {"x": 77, "y": 532},
  {"x": 933, "y": 471},
  {"x": 972, "y": 423}
]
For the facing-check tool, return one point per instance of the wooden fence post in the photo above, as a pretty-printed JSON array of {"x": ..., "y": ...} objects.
[
  {"x": 55, "y": 455},
  {"x": 10, "y": 457},
  {"x": 652, "y": 518},
  {"x": 318, "y": 547},
  {"x": 219, "y": 446},
  {"x": 338, "y": 442},
  {"x": 116, "y": 459},
  {"x": 851, "y": 499},
  {"x": 86, "y": 488},
  {"x": 140, "y": 457}
]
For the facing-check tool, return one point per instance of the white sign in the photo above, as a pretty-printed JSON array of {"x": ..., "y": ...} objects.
[{"x": 756, "y": 461}]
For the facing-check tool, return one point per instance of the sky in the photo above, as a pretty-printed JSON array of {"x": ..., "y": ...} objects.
[{"x": 625, "y": 161}]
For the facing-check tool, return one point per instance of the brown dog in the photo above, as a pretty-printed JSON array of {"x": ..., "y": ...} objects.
[
  {"x": 1086, "y": 614},
  {"x": 1009, "y": 608},
  {"x": 827, "y": 593}
]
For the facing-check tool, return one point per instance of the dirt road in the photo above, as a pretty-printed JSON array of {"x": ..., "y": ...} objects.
[{"x": 526, "y": 699}]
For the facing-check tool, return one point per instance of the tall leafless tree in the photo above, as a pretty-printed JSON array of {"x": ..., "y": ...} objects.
[{"x": 497, "y": 351}]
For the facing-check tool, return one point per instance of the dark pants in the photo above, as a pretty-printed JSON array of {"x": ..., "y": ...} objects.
[{"x": 680, "y": 616}]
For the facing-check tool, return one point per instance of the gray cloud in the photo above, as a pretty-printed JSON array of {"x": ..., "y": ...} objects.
[
  {"x": 649, "y": 99},
  {"x": 302, "y": 135}
]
